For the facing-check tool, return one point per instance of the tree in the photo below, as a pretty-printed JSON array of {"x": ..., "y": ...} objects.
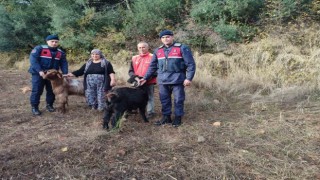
[
  {"x": 6, "y": 30},
  {"x": 26, "y": 21},
  {"x": 144, "y": 20}
]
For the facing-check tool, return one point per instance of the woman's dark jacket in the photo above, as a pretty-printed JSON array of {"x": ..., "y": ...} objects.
[{"x": 108, "y": 70}]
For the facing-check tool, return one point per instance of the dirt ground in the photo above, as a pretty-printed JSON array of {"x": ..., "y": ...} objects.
[{"x": 264, "y": 141}]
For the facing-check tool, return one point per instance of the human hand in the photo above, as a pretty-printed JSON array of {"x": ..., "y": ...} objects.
[
  {"x": 142, "y": 81},
  {"x": 41, "y": 73},
  {"x": 186, "y": 82},
  {"x": 113, "y": 82},
  {"x": 70, "y": 75}
]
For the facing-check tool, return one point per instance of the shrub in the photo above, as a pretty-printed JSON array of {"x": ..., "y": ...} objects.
[
  {"x": 228, "y": 32},
  {"x": 284, "y": 10},
  {"x": 229, "y": 18},
  {"x": 109, "y": 41},
  {"x": 210, "y": 11},
  {"x": 201, "y": 38},
  {"x": 144, "y": 20}
]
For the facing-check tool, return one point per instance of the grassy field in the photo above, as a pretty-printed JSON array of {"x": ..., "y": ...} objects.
[{"x": 255, "y": 140}]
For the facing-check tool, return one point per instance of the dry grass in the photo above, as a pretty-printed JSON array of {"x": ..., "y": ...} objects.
[
  {"x": 260, "y": 69},
  {"x": 256, "y": 140},
  {"x": 264, "y": 95}
]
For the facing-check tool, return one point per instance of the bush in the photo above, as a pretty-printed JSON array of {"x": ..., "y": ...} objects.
[
  {"x": 211, "y": 11},
  {"x": 229, "y": 18},
  {"x": 148, "y": 17},
  {"x": 245, "y": 11},
  {"x": 285, "y": 10},
  {"x": 109, "y": 41},
  {"x": 228, "y": 32},
  {"x": 207, "y": 11},
  {"x": 202, "y": 38}
]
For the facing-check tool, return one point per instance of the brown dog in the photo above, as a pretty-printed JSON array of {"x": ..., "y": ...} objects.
[{"x": 63, "y": 87}]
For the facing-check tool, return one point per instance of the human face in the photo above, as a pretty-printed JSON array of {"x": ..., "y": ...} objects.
[
  {"x": 143, "y": 48},
  {"x": 95, "y": 56},
  {"x": 167, "y": 40},
  {"x": 53, "y": 43}
]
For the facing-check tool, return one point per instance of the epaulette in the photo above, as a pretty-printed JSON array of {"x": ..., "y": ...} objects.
[
  {"x": 177, "y": 44},
  {"x": 161, "y": 46}
]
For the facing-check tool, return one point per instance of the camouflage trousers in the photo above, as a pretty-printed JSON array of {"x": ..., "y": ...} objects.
[{"x": 95, "y": 94}]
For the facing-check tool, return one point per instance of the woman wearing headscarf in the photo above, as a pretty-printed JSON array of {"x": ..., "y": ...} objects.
[{"x": 99, "y": 78}]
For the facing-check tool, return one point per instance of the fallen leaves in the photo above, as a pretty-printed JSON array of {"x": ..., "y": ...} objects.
[
  {"x": 121, "y": 152},
  {"x": 64, "y": 149},
  {"x": 25, "y": 89},
  {"x": 201, "y": 139},
  {"x": 216, "y": 124}
]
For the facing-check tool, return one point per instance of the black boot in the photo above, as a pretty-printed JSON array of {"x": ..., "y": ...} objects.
[
  {"x": 35, "y": 111},
  {"x": 176, "y": 121},
  {"x": 50, "y": 108},
  {"x": 163, "y": 120}
]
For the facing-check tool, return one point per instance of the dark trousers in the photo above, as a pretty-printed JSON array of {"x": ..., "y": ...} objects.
[
  {"x": 38, "y": 84},
  {"x": 165, "y": 92}
]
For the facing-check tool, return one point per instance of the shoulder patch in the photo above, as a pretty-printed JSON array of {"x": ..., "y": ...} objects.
[
  {"x": 161, "y": 46},
  {"x": 177, "y": 44},
  {"x": 33, "y": 51}
]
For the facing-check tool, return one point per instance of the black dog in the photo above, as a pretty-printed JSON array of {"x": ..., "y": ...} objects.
[{"x": 122, "y": 99}]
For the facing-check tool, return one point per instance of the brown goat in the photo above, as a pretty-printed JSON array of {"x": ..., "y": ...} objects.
[{"x": 63, "y": 87}]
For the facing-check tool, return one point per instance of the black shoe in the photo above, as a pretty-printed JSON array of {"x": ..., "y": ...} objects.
[
  {"x": 35, "y": 111},
  {"x": 50, "y": 108},
  {"x": 176, "y": 121},
  {"x": 163, "y": 120}
]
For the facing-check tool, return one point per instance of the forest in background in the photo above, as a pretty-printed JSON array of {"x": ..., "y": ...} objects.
[{"x": 113, "y": 25}]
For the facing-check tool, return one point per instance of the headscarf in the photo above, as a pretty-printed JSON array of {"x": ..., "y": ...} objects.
[
  {"x": 103, "y": 59},
  {"x": 97, "y": 51}
]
